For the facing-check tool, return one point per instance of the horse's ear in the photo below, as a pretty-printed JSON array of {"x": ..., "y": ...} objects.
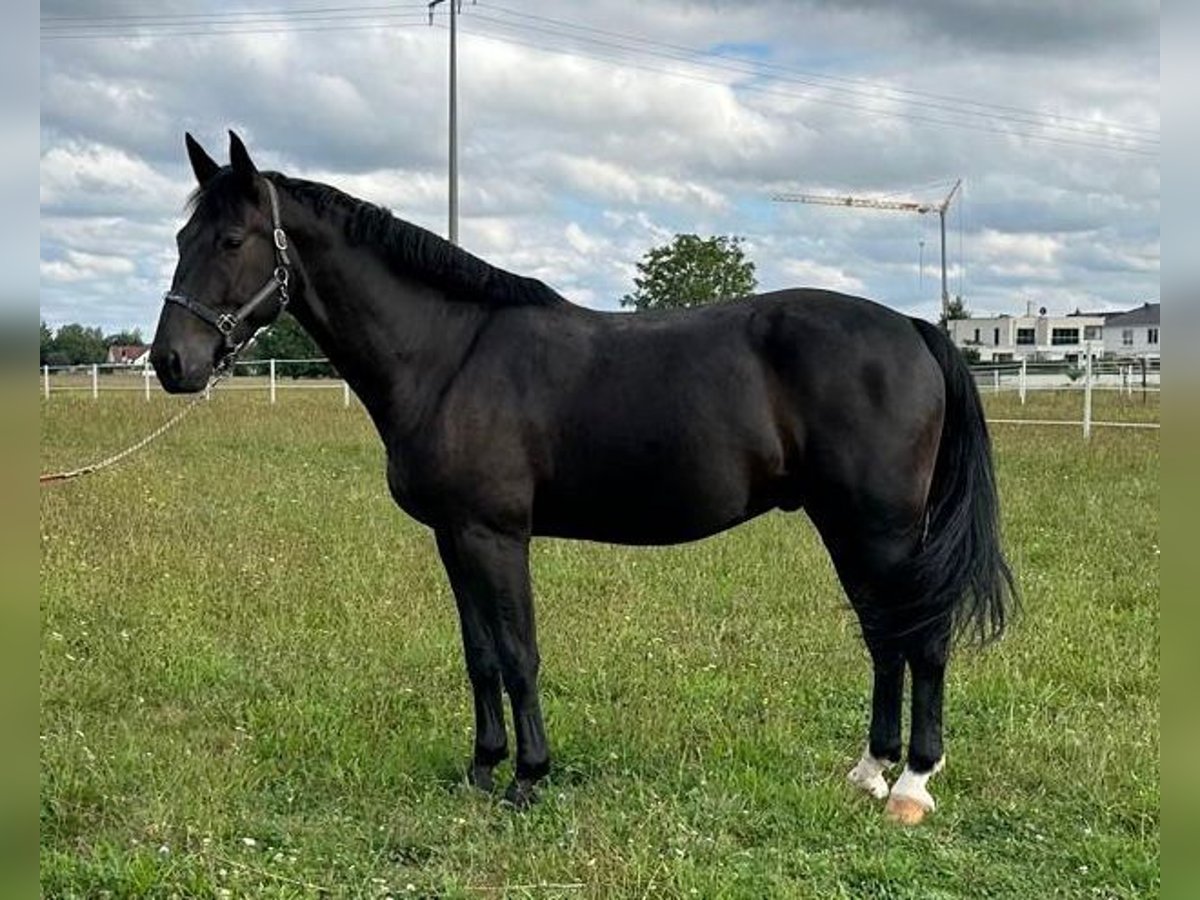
[
  {"x": 203, "y": 165},
  {"x": 238, "y": 157}
]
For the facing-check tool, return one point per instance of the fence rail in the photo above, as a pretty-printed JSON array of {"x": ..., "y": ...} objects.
[
  {"x": 1127, "y": 376},
  {"x": 271, "y": 376},
  {"x": 1096, "y": 373},
  {"x": 265, "y": 375}
]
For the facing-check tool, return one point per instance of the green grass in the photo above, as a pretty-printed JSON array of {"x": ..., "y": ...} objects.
[{"x": 251, "y": 683}]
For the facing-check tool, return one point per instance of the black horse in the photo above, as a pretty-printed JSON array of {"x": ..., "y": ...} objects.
[{"x": 508, "y": 412}]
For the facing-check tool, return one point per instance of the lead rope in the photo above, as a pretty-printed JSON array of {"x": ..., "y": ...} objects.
[
  {"x": 280, "y": 279},
  {"x": 158, "y": 432},
  {"x": 277, "y": 285},
  {"x": 223, "y": 370}
]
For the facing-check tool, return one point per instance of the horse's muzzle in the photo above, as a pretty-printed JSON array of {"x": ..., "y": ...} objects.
[{"x": 177, "y": 374}]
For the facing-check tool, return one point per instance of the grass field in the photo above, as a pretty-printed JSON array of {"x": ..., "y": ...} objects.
[{"x": 252, "y": 685}]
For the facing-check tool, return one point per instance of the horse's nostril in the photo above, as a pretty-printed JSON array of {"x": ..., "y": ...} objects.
[{"x": 175, "y": 366}]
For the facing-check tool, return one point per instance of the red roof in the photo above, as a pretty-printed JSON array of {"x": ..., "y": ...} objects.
[{"x": 125, "y": 353}]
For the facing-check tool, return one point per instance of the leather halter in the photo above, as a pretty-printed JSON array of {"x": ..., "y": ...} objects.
[{"x": 227, "y": 323}]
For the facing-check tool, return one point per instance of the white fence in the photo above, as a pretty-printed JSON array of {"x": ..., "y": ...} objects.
[
  {"x": 1098, "y": 373},
  {"x": 267, "y": 376},
  {"x": 1126, "y": 376},
  {"x": 271, "y": 376}
]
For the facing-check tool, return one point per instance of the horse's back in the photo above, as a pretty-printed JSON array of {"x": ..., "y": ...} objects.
[{"x": 660, "y": 428}]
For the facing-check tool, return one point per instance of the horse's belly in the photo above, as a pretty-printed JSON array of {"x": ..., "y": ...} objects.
[
  {"x": 678, "y": 464},
  {"x": 647, "y": 513}
]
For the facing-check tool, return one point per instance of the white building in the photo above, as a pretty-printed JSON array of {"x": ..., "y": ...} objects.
[
  {"x": 128, "y": 355},
  {"x": 1134, "y": 333},
  {"x": 1034, "y": 337}
]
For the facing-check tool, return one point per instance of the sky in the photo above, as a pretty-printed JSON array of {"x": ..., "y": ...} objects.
[{"x": 590, "y": 133}]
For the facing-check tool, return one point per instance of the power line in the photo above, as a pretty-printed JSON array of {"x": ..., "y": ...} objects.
[
  {"x": 279, "y": 12},
  {"x": 629, "y": 43},
  {"x": 742, "y": 68},
  {"x": 265, "y": 27},
  {"x": 1009, "y": 121},
  {"x": 1009, "y": 132},
  {"x": 871, "y": 88},
  {"x": 228, "y": 22},
  {"x": 153, "y": 25}
]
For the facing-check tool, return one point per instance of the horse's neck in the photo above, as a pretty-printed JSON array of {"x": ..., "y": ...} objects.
[{"x": 395, "y": 340}]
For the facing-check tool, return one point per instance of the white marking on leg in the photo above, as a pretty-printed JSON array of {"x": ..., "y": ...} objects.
[
  {"x": 911, "y": 786},
  {"x": 868, "y": 775}
]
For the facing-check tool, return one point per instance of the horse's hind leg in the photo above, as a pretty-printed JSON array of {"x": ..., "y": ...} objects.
[
  {"x": 867, "y": 565},
  {"x": 883, "y": 741},
  {"x": 926, "y": 651}
]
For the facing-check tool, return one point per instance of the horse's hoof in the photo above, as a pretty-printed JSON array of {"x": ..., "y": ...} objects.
[
  {"x": 911, "y": 801},
  {"x": 480, "y": 777},
  {"x": 867, "y": 775},
  {"x": 521, "y": 793},
  {"x": 906, "y": 810},
  {"x": 873, "y": 783}
]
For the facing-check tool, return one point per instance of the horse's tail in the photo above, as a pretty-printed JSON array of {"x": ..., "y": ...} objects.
[{"x": 960, "y": 571}]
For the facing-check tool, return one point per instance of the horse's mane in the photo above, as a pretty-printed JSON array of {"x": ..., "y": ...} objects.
[
  {"x": 415, "y": 250},
  {"x": 408, "y": 248}
]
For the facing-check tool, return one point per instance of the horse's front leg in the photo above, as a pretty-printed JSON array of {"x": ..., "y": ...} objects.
[
  {"x": 495, "y": 566},
  {"x": 483, "y": 669}
]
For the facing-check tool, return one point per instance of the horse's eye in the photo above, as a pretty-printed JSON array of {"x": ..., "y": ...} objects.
[{"x": 232, "y": 241}]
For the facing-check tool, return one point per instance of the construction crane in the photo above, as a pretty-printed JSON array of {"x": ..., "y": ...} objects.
[{"x": 877, "y": 203}]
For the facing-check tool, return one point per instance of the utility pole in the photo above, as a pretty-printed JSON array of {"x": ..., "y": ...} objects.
[
  {"x": 455, "y": 9},
  {"x": 900, "y": 205}
]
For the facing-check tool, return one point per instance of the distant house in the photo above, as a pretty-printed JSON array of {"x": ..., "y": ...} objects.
[
  {"x": 1066, "y": 338},
  {"x": 128, "y": 354},
  {"x": 1034, "y": 337},
  {"x": 1134, "y": 333}
]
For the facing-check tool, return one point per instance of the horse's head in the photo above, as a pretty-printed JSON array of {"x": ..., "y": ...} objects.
[{"x": 232, "y": 273}]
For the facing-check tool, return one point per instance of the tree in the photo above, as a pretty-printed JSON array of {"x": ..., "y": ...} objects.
[
  {"x": 955, "y": 309},
  {"x": 47, "y": 344},
  {"x": 76, "y": 345},
  {"x": 287, "y": 339},
  {"x": 128, "y": 337},
  {"x": 691, "y": 271}
]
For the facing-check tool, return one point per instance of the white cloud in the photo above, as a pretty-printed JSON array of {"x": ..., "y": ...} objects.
[
  {"x": 87, "y": 178},
  {"x": 77, "y": 266},
  {"x": 580, "y": 242},
  {"x": 807, "y": 273},
  {"x": 572, "y": 166},
  {"x": 1026, "y": 249},
  {"x": 615, "y": 183}
]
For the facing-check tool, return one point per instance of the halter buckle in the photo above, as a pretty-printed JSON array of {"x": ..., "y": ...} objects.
[
  {"x": 281, "y": 241},
  {"x": 226, "y": 324}
]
